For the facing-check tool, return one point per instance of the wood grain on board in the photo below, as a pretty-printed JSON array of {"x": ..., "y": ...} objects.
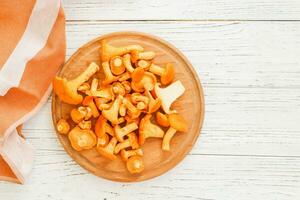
[{"x": 156, "y": 161}]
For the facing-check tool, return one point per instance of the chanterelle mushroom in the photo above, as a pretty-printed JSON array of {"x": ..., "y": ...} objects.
[
  {"x": 166, "y": 74},
  {"x": 177, "y": 123},
  {"x": 108, "y": 51},
  {"x": 132, "y": 142},
  {"x": 125, "y": 154},
  {"x": 108, "y": 150},
  {"x": 66, "y": 90},
  {"x": 112, "y": 113},
  {"x": 147, "y": 82},
  {"x": 169, "y": 94},
  {"x": 121, "y": 132},
  {"x": 147, "y": 129},
  {"x": 82, "y": 139},
  {"x": 135, "y": 164}
]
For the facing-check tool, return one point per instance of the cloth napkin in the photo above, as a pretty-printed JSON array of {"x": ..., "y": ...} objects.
[{"x": 32, "y": 48}]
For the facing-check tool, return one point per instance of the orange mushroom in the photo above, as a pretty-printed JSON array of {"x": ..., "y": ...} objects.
[
  {"x": 144, "y": 64},
  {"x": 111, "y": 114},
  {"x": 102, "y": 127},
  {"x": 102, "y": 140},
  {"x": 154, "y": 104},
  {"x": 124, "y": 77},
  {"x": 121, "y": 132},
  {"x": 127, "y": 86},
  {"x": 108, "y": 150},
  {"x": 116, "y": 65},
  {"x": 108, "y": 51},
  {"x": 131, "y": 109},
  {"x": 85, "y": 125},
  {"x": 137, "y": 74},
  {"x": 162, "y": 119},
  {"x": 131, "y": 141},
  {"x": 109, "y": 77},
  {"x": 122, "y": 110},
  {"x": 135, "y": 164},
  {"x": 118, "y": 88},
  {"x": 127, "y": 63},
  {"x": 147, "y": 130},
  {"x": 89, "y": 101},
  {"x": 177, "y": 123},
  {"x": 125, "y": 154},
  {"x": 138, "y": 97},
  {"x": 166, "y": 74},
  {"x": 80, "y": 113},
  {"x": 82, "y": 139},
  {"x": 146, "y": 55},
  {"x": 67, "y": 89},
  {"x": 63, "y": 126},
  {"x": 147, "y": 82}
]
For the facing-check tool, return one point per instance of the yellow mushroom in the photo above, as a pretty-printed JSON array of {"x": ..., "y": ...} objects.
[
  {"x": 120, "y": 133},
  {"x": 177, "y": 123},
  {"x": 116, "y": 65},
  {"x": 148, "y": 130},
  {"x": 108, "y": 150},
  {"x": 66, "y": 90},
  {"x": 109, "y": 77},
  {"x": 108, "y": 51},
  {"x": 127, "y": 63},
  {"x": 166, "y": 74},
  {"x": 125, "y": 154},
  {"x": 146, "y": 55},
  {"x": 131, "y": 141},
  {"x": 111, "y": 114},
  {"x": 135, "y": 164},
  {"x": 63, "y": 126},
  {"x": 82, "y": 139}
]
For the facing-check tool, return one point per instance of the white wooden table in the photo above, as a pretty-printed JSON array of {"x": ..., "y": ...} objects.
[{"x": 247, "y": 55}]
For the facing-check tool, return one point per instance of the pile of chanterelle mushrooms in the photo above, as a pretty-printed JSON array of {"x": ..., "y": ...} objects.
[{"x": 115, "y": 115}]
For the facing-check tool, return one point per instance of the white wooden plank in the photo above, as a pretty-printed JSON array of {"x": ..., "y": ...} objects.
[
  {"x": 225, "y": 54},
  {"x": 182, "y": 10},
  {"x": 56, "y": 176}
]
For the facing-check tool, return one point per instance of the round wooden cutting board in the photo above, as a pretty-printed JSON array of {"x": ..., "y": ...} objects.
[{"x": 190, "y": 106}]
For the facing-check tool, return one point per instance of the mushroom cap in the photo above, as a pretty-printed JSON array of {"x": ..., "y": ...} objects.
[
  {"x": 137, "y": 74},
  {"x": 135, "y": 164},
  {"x": 178, "y": 122},
  {"x": 169, "y": 94},
  {"x": 162, "y": 119},
  {"x": 148, "y": 129},
  {"x": 63, "y": 126},
  {"x": 147, "y": 82},
  {"x": 116, "y": 65},
  {"x": 108, "y": 150},
  {"x": 168, "y": 75},
  {"x": 82, "y": 139},
  {"x": 64, "y": 92},
  {"x": 100, "y": 126},
  {"x": 103, "y": 140},
  {"x": 103, "y": 152}
]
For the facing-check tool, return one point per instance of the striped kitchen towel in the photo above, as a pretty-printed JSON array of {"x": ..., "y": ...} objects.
[{"x": 32, "y": 48}]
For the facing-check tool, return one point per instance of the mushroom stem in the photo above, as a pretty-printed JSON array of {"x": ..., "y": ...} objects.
[
  {"x": 167, "y": 138},
  {"x": 155, "y": 69},
  {"x": 127, "y": 63},
  {"x": 109, "y": 77},
  {"x": 85, "y": 75}
]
